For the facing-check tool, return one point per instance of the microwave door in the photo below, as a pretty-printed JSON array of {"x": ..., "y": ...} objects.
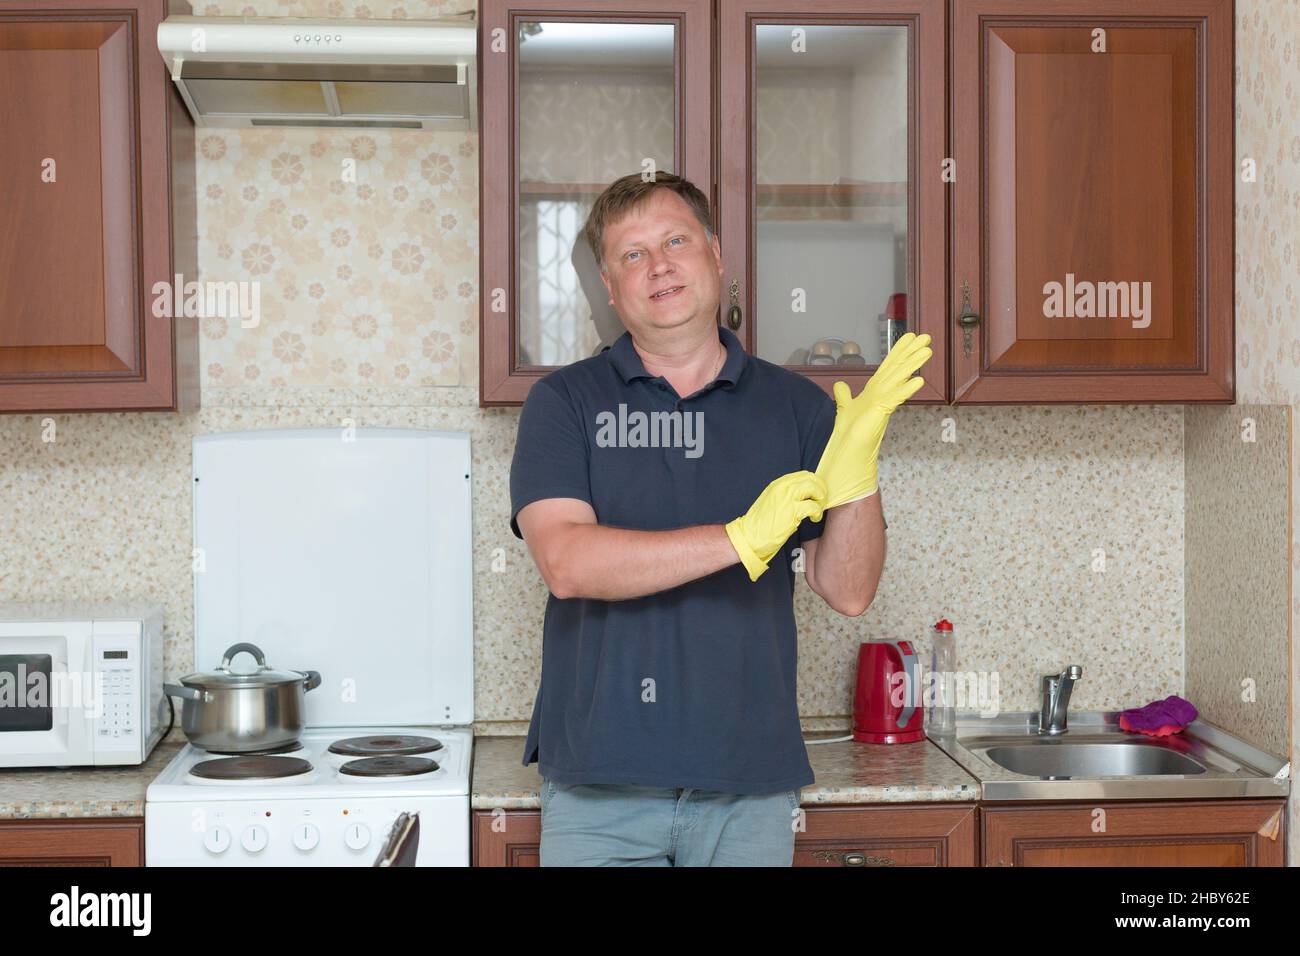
[{"x": 46, "y": 682}]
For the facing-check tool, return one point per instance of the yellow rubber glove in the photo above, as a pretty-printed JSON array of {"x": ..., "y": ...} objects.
[
  {"x": 848, "y": 465},
  {"x": 775, "y": 514}
]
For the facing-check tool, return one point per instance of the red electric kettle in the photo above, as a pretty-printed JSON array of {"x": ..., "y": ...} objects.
[{"x": 886, "y": 706}]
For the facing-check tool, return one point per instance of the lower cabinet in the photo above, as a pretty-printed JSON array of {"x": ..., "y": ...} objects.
[
  {"x": 841, "y": 835},
  {"x": 94, "y": 842},
  {"x": 1170, "y": 833},
  {"x": 888, "y": 835},
  {"x": 1224, "y": 833},
  {"x": 505, "y": 837},
  {"x": 1129, "y": 833}
]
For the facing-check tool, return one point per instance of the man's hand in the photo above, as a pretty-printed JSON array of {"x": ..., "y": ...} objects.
[
  {"x": 848, "y": 465},
  {"x": 775, "y": 514}
]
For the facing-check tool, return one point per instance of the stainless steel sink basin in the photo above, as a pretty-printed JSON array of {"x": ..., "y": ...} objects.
[
  {"x": 1061, "y": 760},
  {"x": 1095, "y": 759}
]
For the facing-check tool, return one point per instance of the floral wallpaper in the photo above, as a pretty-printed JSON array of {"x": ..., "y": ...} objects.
[
  {"x": 364, "y": 247},
  {"x": 1268, "y": 209},
  {"x": 363, "y": 244}
]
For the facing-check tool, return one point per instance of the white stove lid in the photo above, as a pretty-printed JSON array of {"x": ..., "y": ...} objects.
[{"x": 349, "y": 557}]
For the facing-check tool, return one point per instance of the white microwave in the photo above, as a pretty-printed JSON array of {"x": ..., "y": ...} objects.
[{"x": 80, "y": 684}]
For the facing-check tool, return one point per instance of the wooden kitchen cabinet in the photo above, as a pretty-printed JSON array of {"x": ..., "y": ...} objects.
[
  {"x": 97, "y": 187},
  {"x": 891, "y": 835},
  {"x": 821, "y": 162},
  {"x": 1167, "y": 833},
  {"x": 574, "y": 94},
  {"x": 1092, "y": 207},
  {"x": 505, "y": 837},
  {"x": 888, "y": 835},
  {"x": 93, "y": 842},
  {"x": 1044, "y": 186},
  {"x": 831, "y": 208}
]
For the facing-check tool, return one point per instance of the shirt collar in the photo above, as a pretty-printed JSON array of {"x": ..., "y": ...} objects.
[{"x": 625, "y": 358}]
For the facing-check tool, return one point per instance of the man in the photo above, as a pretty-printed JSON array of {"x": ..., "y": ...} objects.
[{"x": 658, "y": 485}]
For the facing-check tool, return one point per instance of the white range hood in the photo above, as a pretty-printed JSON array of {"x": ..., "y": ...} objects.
[{"x": 265, "y": 71}]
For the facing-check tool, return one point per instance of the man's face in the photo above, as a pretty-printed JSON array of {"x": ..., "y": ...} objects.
[{"x": 656, "y": 247}]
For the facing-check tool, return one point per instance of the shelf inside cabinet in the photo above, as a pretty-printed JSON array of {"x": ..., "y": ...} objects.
[
  {"x": 831, "y": 194},
  {"x": 552, "y": 190}
]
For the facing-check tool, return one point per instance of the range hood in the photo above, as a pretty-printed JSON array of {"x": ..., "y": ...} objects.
[{"x": 274, "y": 71}]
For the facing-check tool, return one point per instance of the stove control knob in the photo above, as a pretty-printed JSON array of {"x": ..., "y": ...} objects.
[
  {"x": 305, "y": 836},
  {"x": 217, "y": 840},
  {"x": 357, "y": 836},
  {"x": 253, "y": 839}
]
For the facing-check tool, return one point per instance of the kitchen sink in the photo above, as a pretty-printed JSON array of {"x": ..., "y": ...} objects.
[
  {"x": 1095, "y": 759},
  {"x": 1058, "y": 759}
]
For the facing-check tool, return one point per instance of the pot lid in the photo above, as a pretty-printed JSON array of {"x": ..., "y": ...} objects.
[{"x": 223, "y": 676}]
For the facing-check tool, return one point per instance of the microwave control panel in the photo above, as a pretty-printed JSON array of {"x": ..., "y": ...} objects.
[{"x": 116, "y": 721}]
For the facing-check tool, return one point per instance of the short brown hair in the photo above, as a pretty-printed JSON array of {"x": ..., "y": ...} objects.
[{"x": 623, "y": 195}]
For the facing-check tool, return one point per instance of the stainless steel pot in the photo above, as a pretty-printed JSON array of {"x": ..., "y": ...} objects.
[{"x": 243, "y": 712}]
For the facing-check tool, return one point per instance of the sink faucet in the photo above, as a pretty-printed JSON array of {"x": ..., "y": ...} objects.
[{"x": 1056, "y": 699}]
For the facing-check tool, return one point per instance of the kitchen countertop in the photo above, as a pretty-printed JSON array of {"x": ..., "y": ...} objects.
[
  {"x": 845, "y": 772},
  {"x": 29, "y": 793}
]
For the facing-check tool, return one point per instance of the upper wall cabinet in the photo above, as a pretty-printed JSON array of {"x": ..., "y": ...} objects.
[
  {"x": 572, "y": 100},
  {"x": 1044, "y": 186},
  {"x": 811, "y": 138},
  {"x": 97, "y": 188},
  {"x": 830, "y": 199},
  {"x": 1092, "y": 232}
]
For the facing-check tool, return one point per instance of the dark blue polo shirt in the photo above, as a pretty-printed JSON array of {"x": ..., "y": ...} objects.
[{"x": 695, "y": 686}]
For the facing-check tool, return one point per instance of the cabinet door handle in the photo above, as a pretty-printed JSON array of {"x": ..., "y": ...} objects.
[
  {"x": 968, "y": 319},
  {"x": 853, "y": 858}
]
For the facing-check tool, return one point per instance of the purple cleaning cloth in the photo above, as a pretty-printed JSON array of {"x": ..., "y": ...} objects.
[{"x": 1159, "y": 718}]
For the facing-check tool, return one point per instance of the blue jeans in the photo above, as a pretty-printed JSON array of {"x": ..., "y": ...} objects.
[{"x": 604, "y": 824}]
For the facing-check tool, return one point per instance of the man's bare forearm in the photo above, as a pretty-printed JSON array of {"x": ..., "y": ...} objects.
[
  {"x": 851, "y": 555},
  {"x": 615, "y": 564}
]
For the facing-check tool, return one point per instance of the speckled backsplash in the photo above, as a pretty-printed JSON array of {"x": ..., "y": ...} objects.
[
  {"x": 1237, "y": 547},
  {"x": 1047, "y": 535}
]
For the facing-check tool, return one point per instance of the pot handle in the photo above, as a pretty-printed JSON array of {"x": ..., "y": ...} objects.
[
  {"x": 236, "y": 649},
  {"x": 188, "y": 693},
  {"x": 313, "y": 680}
]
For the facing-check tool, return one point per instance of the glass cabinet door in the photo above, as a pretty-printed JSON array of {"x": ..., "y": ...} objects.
[
  {"x": 595, "y": 103},
  {"x": 829, "y": 189},
  {"x": 590, "y": 101},
  {"x": 830, "y": 217}
]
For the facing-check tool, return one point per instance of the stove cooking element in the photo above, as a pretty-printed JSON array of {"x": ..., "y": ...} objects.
[
  {"x": 388, "y": 766},
  {"x": 290, "y": 747},
  {"x": 250, "y": 768},
  {"x": 385, "y": 745}
]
